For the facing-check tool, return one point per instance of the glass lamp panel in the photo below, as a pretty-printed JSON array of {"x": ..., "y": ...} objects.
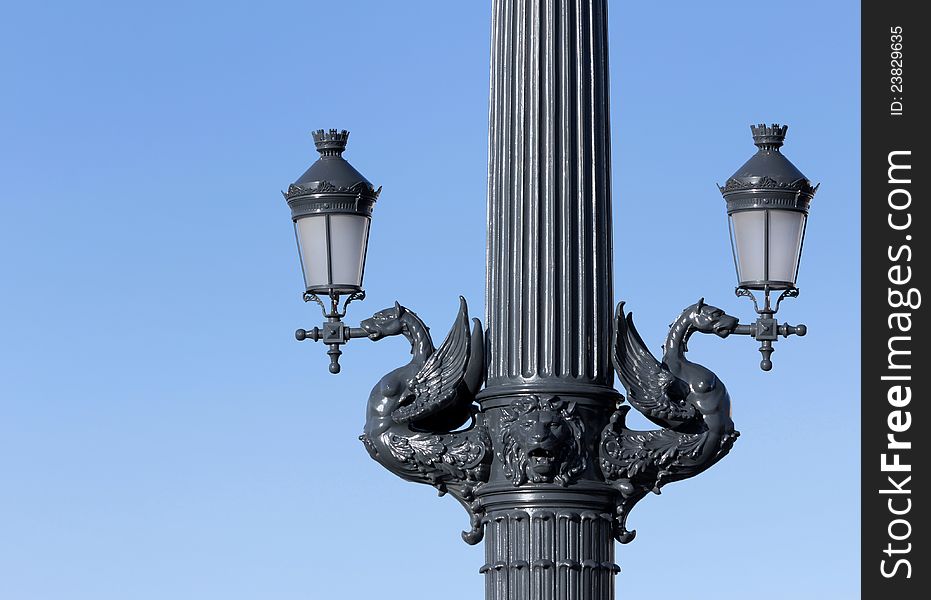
[
  {"x": 748, "y": 229},
  {"x": 348, "y": 238},
  {"x": 786, "y": 230},
  {"x": 312, "y": 246}
]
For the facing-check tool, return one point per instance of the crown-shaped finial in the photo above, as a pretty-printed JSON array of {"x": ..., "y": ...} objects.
[
  {"x": 769, "y": 138},
  {"x": 332, "y": 142}
]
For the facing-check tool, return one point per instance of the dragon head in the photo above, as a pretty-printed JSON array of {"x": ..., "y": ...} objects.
[
  {"x": 711, "y": 319},
  {"x": 385, "y": 322}
]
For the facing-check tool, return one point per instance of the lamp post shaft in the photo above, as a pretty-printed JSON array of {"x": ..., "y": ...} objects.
[
  {"x": 549, "y": 300},
  {"x": 549, "y": 278}
]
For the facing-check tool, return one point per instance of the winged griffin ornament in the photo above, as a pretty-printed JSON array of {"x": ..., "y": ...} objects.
[
  {"x": 685, "y": 399},
  {"x": 421, "y": 421}
]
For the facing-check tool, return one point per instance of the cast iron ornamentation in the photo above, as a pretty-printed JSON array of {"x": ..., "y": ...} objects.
[
  {"x": 421, "y": 422},
  {"x": 545, "y": 463},
  {"x": 321, "y": 187},
  {"x": 768, "y": 183},
  {"x": 541, "y": 441},
  {"x": 685, "y": 399}
]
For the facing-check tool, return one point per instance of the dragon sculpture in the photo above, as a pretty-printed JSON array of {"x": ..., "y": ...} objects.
[
  {"x": 685, "y": 399},
  {"x": 421, "y": 421},
  {"x": 423, "y": 425}
]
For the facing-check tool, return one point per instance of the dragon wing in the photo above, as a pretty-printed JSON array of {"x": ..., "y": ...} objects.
[
  {"x": 651, "y": 388},
  {"x": 443, "y": 390}
]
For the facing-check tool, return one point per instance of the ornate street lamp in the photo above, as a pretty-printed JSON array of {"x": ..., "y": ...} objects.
[
  {"x": 767, "y": 207},
  {"x": 519, "y": 420},
  {"x": 331, "y": 206}
]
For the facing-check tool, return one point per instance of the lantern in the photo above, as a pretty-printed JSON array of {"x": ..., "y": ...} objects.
[
  {"x": 767, "y": 209},
  {"x": 331, "y": 206},
  {"x": 767, "y": 206}
]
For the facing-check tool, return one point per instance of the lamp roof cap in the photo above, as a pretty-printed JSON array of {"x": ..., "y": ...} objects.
[
  {"x": 769, "y": 138},
  {"x": 332, "y": 142},
  {"x": 768, "y": 171},
  {"x": 331, "y": 173}
]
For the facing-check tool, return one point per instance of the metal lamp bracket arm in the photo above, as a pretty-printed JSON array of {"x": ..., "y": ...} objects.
[
  {"x": 334, "y": 332},
  {"x": 767, "y": 329}
]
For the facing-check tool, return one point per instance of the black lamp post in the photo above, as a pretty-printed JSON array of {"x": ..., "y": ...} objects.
[
  {"x": 519, "y": 420},
  {"x": 767, "y": 207}
]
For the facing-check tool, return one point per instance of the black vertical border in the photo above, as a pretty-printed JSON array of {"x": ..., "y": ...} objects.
[{"x": 891, "y": 254}]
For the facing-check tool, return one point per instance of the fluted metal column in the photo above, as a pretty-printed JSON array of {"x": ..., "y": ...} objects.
[
  {"x": 549, "y": 555},
  {"x": 549, "y": 280},
  {"x": 549, "y": 302}
]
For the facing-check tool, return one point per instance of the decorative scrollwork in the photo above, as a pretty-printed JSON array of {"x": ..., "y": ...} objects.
[
  {"x": 325, "y": 187},
  {"x": 333, "y": 312},
  {"x": 311, "y": 297},
  {"x": 789, "y": 293},
  {"x": 768, "y": 183},
  {"x": 745, "y": 293},
  {"x": 360, "y": 295},
  {"x": 452, "y": 463}
]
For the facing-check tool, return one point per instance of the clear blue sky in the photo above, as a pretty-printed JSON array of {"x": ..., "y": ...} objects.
[{"x": 163, "y": 436}]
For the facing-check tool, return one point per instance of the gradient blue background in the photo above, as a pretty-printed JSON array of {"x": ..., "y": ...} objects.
[{"x": 163, "y": 436}]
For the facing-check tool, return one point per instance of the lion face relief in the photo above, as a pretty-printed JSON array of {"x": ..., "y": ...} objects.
[{"x": 541, "y": 441}]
